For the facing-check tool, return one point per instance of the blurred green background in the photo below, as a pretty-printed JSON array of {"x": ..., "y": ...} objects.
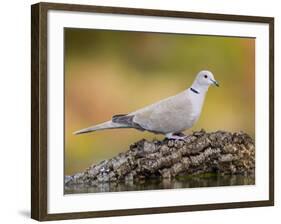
[{"x": 116, "y": 72}]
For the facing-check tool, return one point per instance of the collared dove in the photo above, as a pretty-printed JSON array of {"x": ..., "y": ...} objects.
[{"x": 169, "y": 116}]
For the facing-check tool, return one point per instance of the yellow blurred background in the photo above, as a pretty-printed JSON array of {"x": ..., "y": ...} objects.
[{"x": 116, "y": 72}]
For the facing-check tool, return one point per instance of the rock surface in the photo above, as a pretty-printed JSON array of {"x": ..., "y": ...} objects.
[{"x": 218, "y": 152}]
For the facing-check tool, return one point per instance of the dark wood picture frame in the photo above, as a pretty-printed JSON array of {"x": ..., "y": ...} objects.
[{"x": 39, "y": 110}]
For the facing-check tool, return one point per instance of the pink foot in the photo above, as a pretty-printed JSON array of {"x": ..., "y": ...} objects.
[{"x": 175, "y": 137}]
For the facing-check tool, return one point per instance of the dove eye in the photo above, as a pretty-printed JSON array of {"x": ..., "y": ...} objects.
[{"x": 205, "y": 76}]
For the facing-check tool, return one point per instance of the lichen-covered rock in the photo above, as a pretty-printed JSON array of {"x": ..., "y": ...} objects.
[{"x": 220, "y": 152}]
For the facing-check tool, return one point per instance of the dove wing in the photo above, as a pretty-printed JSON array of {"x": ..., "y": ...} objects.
[{"x": 174, "y": 114}]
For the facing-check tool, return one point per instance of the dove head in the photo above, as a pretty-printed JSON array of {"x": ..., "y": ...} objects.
[{"x": 203, "y": 80}]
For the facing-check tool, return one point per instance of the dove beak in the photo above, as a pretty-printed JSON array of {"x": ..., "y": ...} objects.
[{"x": 215, "y": 83}]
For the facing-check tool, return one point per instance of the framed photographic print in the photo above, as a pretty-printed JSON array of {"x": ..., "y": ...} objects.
[{"x": 139, "y": 111}]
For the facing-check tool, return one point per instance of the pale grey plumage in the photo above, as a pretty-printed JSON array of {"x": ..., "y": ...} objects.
[{"x": 168, "y": 116}]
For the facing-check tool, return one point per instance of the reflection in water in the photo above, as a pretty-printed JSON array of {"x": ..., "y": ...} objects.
[{"x": 210, "y": 180}]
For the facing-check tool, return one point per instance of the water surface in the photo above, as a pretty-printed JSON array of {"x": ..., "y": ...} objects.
[{"x": 206, "y": 180}]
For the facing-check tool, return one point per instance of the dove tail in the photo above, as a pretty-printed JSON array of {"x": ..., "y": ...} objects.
[{"x": 102, "y": 126}]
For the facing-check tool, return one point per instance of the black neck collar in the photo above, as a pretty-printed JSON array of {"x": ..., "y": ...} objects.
[{"x": 194, "y": 90}]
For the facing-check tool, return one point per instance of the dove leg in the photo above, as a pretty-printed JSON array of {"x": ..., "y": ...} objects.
[
  {"x": 179, "y": 134},
  {"x": 174, "y": 136}
]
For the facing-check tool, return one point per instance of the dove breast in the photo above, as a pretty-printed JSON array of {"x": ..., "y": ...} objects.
[{"x": 173, "y": 114}]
